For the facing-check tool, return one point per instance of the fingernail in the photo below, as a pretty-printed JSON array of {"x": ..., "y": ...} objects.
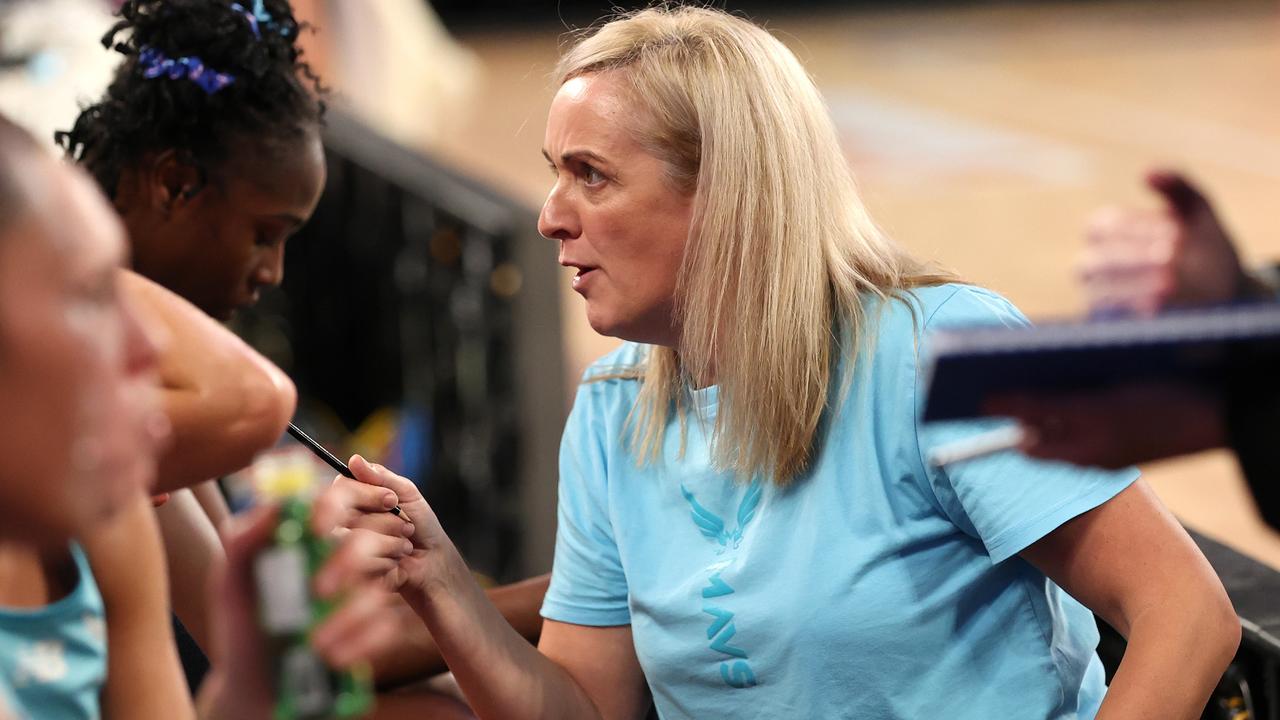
[
  {"x": 406, "y": 548},
  {"x": 407, "y": 529},
  {"x": 389, "y": 500}
]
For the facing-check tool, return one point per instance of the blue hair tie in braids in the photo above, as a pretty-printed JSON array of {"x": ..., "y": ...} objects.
[
  {"x": 155, "y": 64},
  {"x": 259, "y": 18}
]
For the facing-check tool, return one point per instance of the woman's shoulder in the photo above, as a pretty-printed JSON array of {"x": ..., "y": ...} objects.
[
  {"x": 919, "y": 310},
  {"x": 897, "y": 329}
]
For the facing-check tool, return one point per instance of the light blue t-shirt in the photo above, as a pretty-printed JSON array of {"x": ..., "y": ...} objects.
[
  {"x": 7, "y": 702},
  {"x": 873, "y": 587},
  {"x": 53, "y": 659}
]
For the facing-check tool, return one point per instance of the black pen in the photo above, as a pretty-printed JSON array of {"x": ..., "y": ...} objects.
[{"x": 329, "y": 458}]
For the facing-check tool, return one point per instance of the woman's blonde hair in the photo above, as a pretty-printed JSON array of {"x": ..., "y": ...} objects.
[{"x": 781, "y": 248}]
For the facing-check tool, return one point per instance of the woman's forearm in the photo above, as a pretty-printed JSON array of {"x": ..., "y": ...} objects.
[
  {"x": 211, "y": 500},
  {"x": 501, "y": 674},
  {"x": 1176, "y": 654},
  {"x": 193, "y": 552},
  {"x": 144, "y": 676},
  {"x": 225, "y": 401},
  {"x": 416, "y": 656},
  {"x": 219, "y": 426}
]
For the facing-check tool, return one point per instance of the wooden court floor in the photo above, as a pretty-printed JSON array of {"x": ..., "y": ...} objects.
[{"x": 984, "y": 136}]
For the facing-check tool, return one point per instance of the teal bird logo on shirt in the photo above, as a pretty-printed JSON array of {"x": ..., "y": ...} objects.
[
  {"x": 735, "y": 665},
  {"x": 713, "y": 527}
]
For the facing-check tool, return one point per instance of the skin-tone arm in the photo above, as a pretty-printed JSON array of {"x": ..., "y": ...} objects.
[
  {"x": 193, "y": 552},
  {"x": 1132, "y": 563},
  {"x": 414, "y": 655},
  {"x": 144, "y": 675},
  {"x": 576, "y": 672},
  {"x": 1117, "y": 427},
  {"x": 214, "y": 504},
  {"x": 225, "y": 401}
]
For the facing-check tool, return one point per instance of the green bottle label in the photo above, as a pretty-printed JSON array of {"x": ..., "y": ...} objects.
[{"x": 306, "y": 688}]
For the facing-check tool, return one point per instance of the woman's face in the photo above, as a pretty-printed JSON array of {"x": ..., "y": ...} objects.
[
  {"x": 621, "y": 223},
  {"x": 82, "y": 424},
  {"x": 218, "y": 244}
]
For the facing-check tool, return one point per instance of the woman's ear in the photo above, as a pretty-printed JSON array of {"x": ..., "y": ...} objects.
[{"x": 172, "y": 178}]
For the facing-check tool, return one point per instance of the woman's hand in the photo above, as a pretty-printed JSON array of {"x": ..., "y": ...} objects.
[
  {"x": 1144, "y": 261},
  {"x": 363, "y": 506}
]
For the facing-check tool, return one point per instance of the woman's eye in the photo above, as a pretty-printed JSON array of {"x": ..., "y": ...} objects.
[
  {"x": 591, "y": 175},
  {"x": 266, "y": 239}
]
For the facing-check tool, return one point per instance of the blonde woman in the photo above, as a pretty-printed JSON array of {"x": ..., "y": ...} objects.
[{"x": 747, "y": 528}]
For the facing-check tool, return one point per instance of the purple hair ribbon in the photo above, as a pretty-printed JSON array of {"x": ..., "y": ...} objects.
[{"x": 155, "y": 64}]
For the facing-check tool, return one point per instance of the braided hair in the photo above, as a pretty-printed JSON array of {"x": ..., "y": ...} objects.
[{"x": 265, "y": 93}]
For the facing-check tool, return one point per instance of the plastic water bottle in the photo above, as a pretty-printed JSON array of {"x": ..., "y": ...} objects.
[{"x": 306, "y": 687}]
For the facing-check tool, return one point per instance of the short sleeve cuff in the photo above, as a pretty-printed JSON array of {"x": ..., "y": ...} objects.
[
  {"x": 1015, "y": 540},
  {"x": 560, "y": 611}
]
